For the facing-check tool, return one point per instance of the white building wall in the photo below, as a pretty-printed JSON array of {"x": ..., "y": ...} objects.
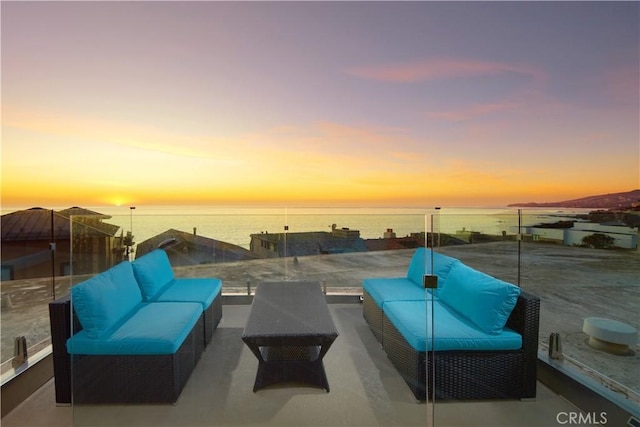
[
  {"x": 546, "y": 233},
  {"x": 624, "y": 237},
  {"x": 600, "y": 228}
]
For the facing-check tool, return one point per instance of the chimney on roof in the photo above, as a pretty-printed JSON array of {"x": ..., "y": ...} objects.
[{"x": 194, "y": 231}]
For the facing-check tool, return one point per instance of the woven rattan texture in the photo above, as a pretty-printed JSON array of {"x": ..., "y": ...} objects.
[
  {"x": 372, "y": 314},
  {"x": 471, "y": 374},
  {"x": 307, "y": 353},
  {"x": 136, "y": 379},
  {"x": 212, "y": 316}
]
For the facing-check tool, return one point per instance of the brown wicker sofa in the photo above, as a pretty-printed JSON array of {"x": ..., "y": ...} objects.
[{"x": 450, "y": 371}]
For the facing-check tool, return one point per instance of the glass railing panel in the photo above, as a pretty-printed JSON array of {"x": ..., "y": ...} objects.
[
  {"x": 578, "y": 267},
  {"x": 337, "y": 248},
  {"x": 584, "y": 266},
  {"x": 324, "y": 244},
  {"x": 35, "y": 246},
  {"x": 233, "y": 244},
  {"x": 341, "y": 247},
  {"x": 485, "y": 241},
  {"x": 98, "y": 244},
  {"x": 203, "y": 242}
]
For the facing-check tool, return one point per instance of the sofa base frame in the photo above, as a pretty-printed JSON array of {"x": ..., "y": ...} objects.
[
  {"x": 457, "y": 374},
  {"x": 465, "y": 374},
  {"x": 136, "y": 379},
  {"x": 372, "y": 314},
  {"x": 212, "y": 317},
  {"x": 124, "y": 378}
]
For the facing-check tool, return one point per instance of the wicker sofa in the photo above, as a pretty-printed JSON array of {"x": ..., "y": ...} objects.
[
  {"x": 132, "y": 334},
  {"x": 155, "y": 276},
  {"x": 475, "y": 335}
]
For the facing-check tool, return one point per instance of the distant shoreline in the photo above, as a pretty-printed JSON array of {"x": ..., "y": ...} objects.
[{"x": 624, "y": 200}]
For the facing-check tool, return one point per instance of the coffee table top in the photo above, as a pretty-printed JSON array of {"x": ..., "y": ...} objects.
[{"x": 289, "y": 309}]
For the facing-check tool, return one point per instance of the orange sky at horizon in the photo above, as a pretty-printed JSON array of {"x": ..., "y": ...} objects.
[
  {"x": 438, "y": 103},
  {"x": 317, "y": 168}
]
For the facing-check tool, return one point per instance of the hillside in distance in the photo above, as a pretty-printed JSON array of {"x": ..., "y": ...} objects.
[{"x": 607, "y": 201}]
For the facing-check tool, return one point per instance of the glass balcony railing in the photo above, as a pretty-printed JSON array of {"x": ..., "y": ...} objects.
[{"x": 578, "y": 268}]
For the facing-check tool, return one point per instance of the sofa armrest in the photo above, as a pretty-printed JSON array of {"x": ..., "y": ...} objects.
[
  {"x": 62, "y": 328},
  {"x": 60, "y": 318},
  {"x": 525, "y": 319}
]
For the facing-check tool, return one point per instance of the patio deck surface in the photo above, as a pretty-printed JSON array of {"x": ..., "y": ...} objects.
[{"x": 366, "y": 390}]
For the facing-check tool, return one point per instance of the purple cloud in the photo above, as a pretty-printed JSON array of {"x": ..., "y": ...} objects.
[{"x": 441, "y": 69}]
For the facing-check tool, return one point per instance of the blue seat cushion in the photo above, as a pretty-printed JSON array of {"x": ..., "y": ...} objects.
[
  {"x": 484, "y": 300},
  {"x": 153, "y": 272},
  {"x": 450, "y": 331},
  {"x": 105, "y": 299},
  {"x": 154, "y": 328},
  {"x": 382, "y": 290},
  {"x": 199, "y": 290}
]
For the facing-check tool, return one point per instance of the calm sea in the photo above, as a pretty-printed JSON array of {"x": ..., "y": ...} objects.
[{"x": 235, "y": 225}]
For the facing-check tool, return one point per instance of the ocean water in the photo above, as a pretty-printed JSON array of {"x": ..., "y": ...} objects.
[{"x": 235, "y": 225}]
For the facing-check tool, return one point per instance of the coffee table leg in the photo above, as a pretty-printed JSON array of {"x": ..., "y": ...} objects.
[{"x": 307, "y": 372}]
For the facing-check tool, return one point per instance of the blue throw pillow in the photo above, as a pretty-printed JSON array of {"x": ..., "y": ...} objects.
[
  {"x": 486, "y": 301},
  {"x": 105, "y": 299},
  {"x": 153, "y": 272}
]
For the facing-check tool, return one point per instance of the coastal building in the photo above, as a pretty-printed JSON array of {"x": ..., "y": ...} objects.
[
  {"x": 38, "y": 242},
  {"x": 390, "y": 241},
  {"x": 275, "y": 245},
  {"x": 621, "y": 236},
  {"x": 186, "y": 249},
  {"x": 467, "y": 236},
  {"x": 339, "y": 240}
]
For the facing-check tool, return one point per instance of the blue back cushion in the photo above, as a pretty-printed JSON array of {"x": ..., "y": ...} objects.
[
  {"x": 422, "y": 257},
  {"x": 484, "y": 300},
  {"x": 105, "y": 299},
  {"x": 153, "y": 272}
]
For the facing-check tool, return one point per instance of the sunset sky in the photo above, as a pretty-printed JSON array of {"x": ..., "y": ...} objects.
[{"x": 327, "y": 103}]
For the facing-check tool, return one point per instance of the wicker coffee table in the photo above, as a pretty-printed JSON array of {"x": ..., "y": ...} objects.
[{"x": 289, "y": 330}]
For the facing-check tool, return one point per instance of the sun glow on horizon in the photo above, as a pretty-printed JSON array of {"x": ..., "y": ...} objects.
[
  {"x": 200, "y": 120},
  {"x": 312, "y": 169}
]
